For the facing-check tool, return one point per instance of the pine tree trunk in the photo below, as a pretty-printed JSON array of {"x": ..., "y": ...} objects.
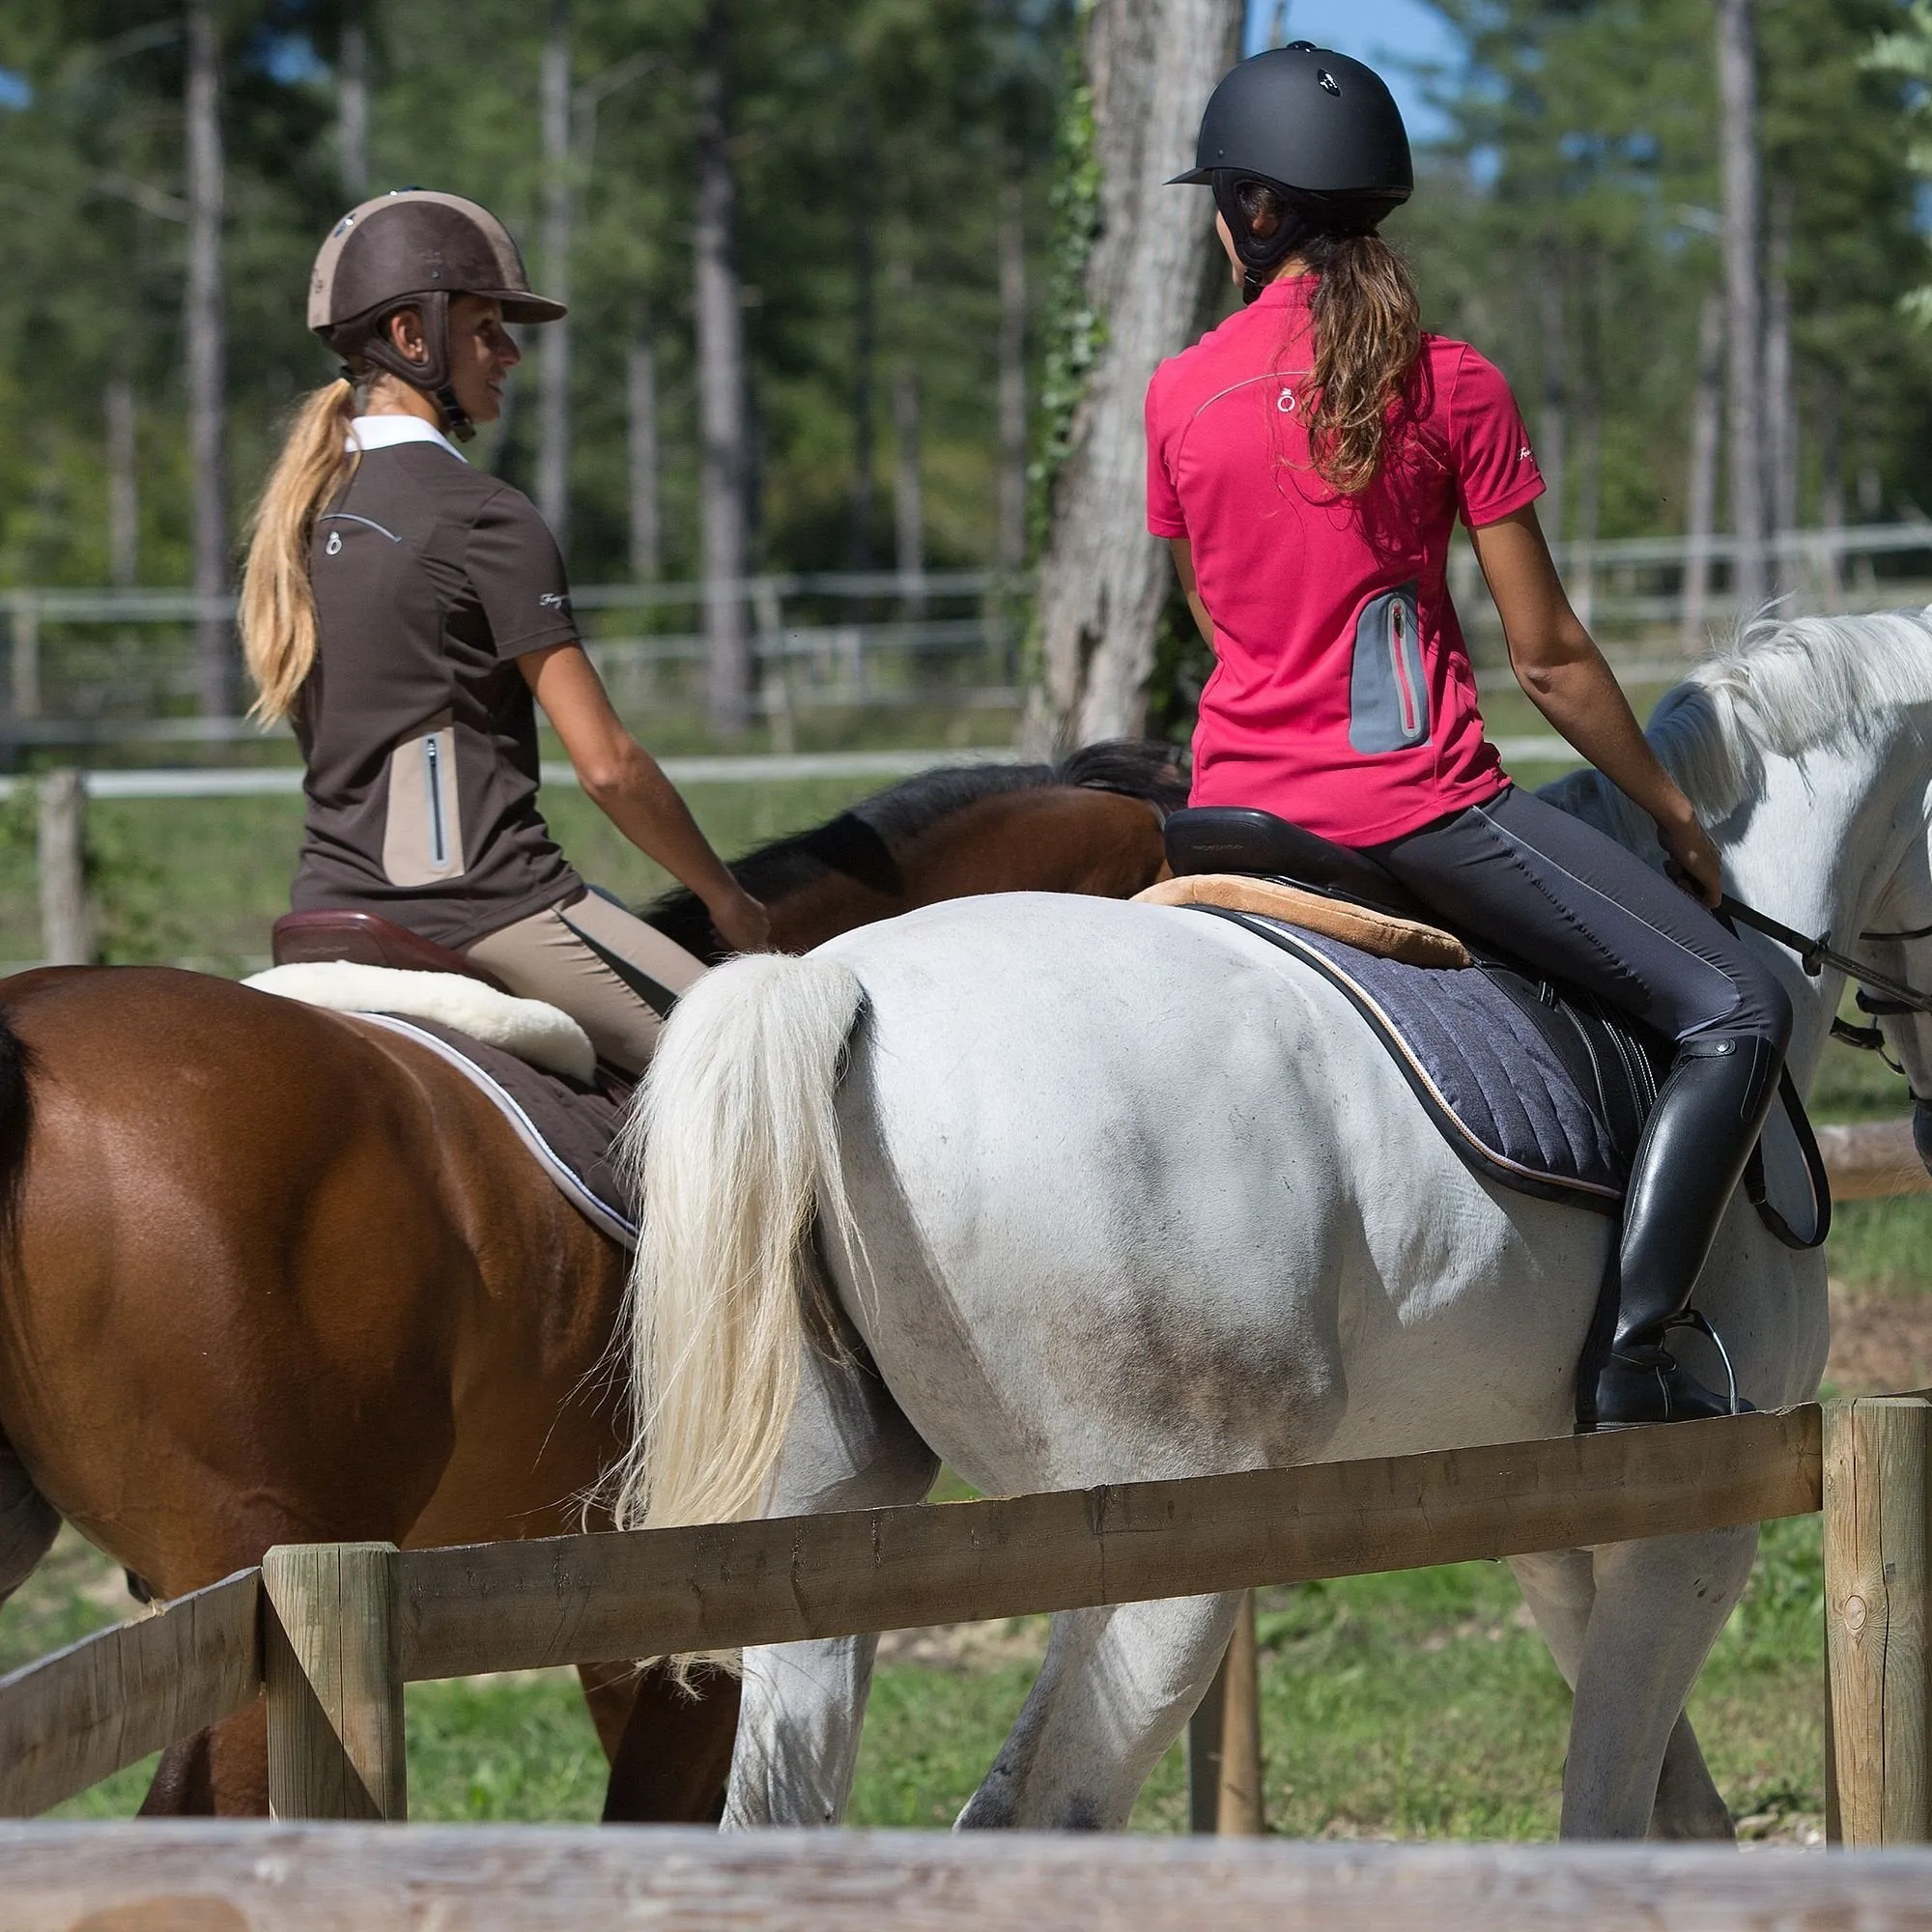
[
  {"x": 1744, "y": 293},
  {"x": 1152, "y": 64},
  {"x": 203, "y": 325},
  {"x": 908, "y": 490},
  {"x": 352, "y": 105},
  {"x": 123, "y": 500},
  {"x": 864, "y": 348},
  {"x": 721, "y": 388},
  {"x": 1701, "y": 486},
  {"x": 1832, "y": 487},
  {"x": 646, "y": 526},
  {"x": 1780, "y": 399},
  {"x": 553, "y": 339},
  {"x": 1010, "y": 547},
  {"x": 1552, "y": 428}
]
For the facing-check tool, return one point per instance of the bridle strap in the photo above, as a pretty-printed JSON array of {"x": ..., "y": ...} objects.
[{"x": 1816, "y": 954}]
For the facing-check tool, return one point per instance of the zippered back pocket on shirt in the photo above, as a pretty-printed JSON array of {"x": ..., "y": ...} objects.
[
  {"x": 422, "y": 835},
  {"x": 1388, "y": 694}
]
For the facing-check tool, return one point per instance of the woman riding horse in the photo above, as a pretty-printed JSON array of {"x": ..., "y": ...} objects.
[
  {"x": 1306, "y": 462},
  {"x": 403, "y": 611}
]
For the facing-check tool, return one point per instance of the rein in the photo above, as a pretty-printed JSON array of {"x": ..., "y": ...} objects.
[{"x": 1894, "y": 996}]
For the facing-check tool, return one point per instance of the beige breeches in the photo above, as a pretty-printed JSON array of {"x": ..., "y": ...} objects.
[{"x": 613, "y": 973}]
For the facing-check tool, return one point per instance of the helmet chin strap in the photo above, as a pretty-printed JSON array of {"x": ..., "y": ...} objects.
[{"x": 431, "y": 376}]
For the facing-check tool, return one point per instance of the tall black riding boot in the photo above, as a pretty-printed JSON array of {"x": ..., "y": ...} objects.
[{"x": 1693, "y": 1154}]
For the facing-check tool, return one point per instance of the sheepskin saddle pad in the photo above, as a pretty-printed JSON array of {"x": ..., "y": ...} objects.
[
  {"x": 533, "y": 1060},
  {"x": 1535, "y": 1085}
]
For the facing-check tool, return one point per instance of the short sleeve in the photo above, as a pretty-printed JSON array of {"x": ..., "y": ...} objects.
[
  {"x": 518, "y": 574},
  {"x": 1163, "y": 502},
  {"x": 1495, "y": 469}
]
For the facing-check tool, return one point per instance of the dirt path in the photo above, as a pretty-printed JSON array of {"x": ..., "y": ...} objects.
[{"x": 1880, "y": 1344}]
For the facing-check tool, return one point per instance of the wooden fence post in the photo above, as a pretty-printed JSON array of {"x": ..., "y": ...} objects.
[
  {"x": 1239, "y": 1813},
  {"x": 1224, "y": 1740},
  {"x": 331, "y": 1657},
  {"x": 1875, "y": 1615},
  {"x": 1204, "y": 1754},
  {"x": 67, "y": 926}
]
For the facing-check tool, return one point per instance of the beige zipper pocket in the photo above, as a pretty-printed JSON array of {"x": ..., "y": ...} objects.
[{"x": 422, "y": 836}]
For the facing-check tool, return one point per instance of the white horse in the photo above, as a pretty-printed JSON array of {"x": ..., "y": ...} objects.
[{"x": 1107, "y": 1191}]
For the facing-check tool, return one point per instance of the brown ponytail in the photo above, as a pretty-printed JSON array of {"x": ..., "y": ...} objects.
[
  {"x": 1368, "y": 334},
  {"x": 278, "y": 627}
]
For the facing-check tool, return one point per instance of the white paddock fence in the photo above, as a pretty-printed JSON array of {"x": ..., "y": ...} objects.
[{"x": 116, "y": 667}]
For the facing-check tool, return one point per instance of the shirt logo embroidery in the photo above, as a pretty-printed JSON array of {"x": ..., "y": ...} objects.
[
  {"x": 555, "y": 600},
  {"x": 333, "y": 547},
  {"x": 1523, "y": 454},
  {"x": 1284, "y": 402}
]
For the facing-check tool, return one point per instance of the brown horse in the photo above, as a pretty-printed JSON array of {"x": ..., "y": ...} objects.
[{"x": 269, "y": 1275}]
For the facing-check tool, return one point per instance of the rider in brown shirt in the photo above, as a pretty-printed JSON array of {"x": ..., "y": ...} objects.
[{"x": 408, "y": 613}]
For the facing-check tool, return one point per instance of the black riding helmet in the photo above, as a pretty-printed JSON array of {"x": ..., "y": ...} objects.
[
  {"x": 415, "y": 249},
  {"x": 1320, "y": 129}
]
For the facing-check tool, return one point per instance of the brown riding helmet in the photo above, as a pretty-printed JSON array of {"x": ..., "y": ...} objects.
[{"x": 415, "y": 249}]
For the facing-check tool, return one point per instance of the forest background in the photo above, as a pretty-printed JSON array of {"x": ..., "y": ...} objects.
[{"x": 894, "y": 189}]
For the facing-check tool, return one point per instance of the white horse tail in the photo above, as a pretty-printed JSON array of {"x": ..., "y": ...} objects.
[{"x": 732, "y": 1148}]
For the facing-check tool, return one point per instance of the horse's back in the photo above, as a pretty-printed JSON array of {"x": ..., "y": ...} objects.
[
  {"x": 1150, "y": 1200},
  {"x": 248, "y": 1264}
]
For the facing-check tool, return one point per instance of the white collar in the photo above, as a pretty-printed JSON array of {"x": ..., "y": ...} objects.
[{"x": 367, "y": 433}]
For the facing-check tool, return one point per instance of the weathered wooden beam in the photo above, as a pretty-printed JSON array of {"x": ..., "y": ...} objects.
[
  {"x": 1873, "y": 1160},
  {"x": 1205, "y": 1729},
  {"x": 104, "y": 1703},
  {"x": 1239, "y": 1813},
  {"x": 1876, "y": 1577},
  {"x": 321, "y": 1878},
  {"x": 597, "y": 1598},
  {"x": 335, "y": 1686}
]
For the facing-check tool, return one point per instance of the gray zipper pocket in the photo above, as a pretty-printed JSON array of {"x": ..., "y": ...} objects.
[
  {"x": 438, "y": 834},
  {"x": 1388, "y": 692}
]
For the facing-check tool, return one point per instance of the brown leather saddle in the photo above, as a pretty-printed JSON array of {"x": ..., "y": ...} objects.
[{"x": 367, "y": 939}]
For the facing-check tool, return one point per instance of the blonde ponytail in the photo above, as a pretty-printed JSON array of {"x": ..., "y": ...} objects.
[{"x": 279, "y": 626}]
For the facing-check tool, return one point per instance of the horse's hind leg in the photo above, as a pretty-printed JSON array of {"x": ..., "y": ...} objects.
[
  {"x": 849, "y": 1446},
  {"x": 1560, "y": 1588},
  {"x": 1657, "y": 1609},
  {"x": 1114, "y": 1691}
]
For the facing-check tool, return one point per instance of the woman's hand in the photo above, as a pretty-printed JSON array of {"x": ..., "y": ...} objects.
[
  {"x": 742, "y": 923},
  {"x": 1692, "y": 859}
]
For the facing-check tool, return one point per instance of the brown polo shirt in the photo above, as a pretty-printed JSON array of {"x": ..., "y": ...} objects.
[{"x": 431, "y": 580}]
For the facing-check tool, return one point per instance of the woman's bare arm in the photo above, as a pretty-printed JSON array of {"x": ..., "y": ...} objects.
[
  {"x": 627, "y": 785},
  {"x": 1564, "y": 675}
]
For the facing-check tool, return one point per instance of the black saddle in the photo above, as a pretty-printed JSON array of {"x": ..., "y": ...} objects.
[
  {"x": 1238, "y": 838},
  {"x": 1615, "y": 1063}
]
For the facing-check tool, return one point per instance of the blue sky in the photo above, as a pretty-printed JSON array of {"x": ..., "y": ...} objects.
[{"x": 1384, "y": 33}]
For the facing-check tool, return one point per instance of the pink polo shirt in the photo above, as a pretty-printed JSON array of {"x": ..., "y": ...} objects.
[{"x": 1343, "y": 697}]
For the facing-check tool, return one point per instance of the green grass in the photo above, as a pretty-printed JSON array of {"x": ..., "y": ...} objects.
[{"x": 1412, "y": 1706}]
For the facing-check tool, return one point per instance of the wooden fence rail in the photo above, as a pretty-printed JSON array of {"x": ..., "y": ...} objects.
[
  {"x": 89, "y": 1711},
  {"x": 334, "y": 1630}
]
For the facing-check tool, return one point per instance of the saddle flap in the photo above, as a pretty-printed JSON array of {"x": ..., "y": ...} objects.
[
  {"x": 366, "y": 939},
  {"x": 1383, "y": 935}
]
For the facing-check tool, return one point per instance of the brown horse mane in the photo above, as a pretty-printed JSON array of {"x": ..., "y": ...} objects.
[{"x": 864, "y": 840}]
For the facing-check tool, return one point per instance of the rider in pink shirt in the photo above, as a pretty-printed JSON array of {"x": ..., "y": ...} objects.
[{"x": 1307, "y": 462}]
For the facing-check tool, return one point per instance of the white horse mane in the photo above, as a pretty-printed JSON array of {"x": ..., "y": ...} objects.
[{"x": 1778, "y": 684}]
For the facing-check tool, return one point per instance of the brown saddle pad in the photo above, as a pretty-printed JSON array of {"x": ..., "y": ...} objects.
[{"x": 1380, "y": 933}]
